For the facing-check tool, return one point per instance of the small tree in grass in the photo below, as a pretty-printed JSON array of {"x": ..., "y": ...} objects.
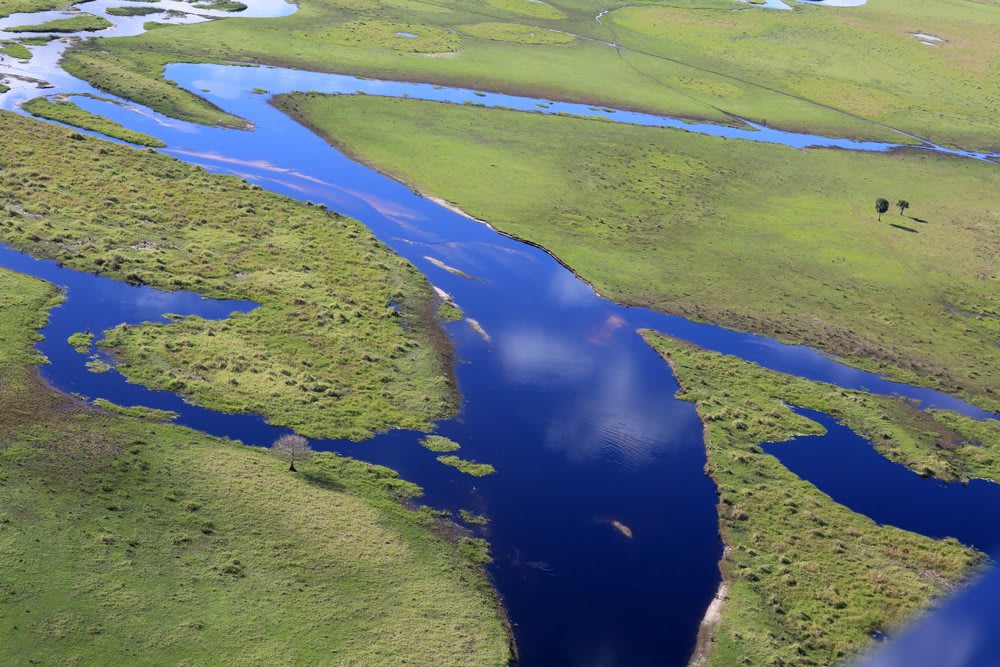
[
  {"x": 902, "y": 205},
  {"x": 292, "y": 448},
  {"x": 881, "y": 206}
]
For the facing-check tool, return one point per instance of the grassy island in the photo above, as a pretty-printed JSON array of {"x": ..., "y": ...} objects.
[
  {"x": 65, "y": 111},
  {"x": 131, "y": 541}
]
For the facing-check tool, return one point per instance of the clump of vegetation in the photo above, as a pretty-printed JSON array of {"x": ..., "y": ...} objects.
[
  {"x": 81, "y": 23},
  {"x": 468, "y": 467},
  {"x": 808, "y": 580},
  {"x": 137, "y": 411},
  {"x": 325, "y": 354},
  {"x": 133, "y": 11},
  {"x": 67, "y": 112},
  {"x": 15, "y": 50},
  {"x": 222, "y": 6},
  {"x": 439, "y": 443},
  {"x": 97, "y": 365},
  {"x": 694, "y": 225},
  {"x": 81, "y": 341},
  {"x": 184, "y": 542},
  {"x": 473, "y": 518}
]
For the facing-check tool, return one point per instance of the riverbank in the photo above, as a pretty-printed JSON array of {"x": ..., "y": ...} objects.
[
  {"x": 126, "y": 539},
  {"x": 752, "y": 236}
]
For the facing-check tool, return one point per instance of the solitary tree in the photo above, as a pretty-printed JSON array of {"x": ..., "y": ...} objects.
[
  {"x": 881, "y": 206},
  {"x": 902, "y": 205},
  {"x": 292, "y": 448}
]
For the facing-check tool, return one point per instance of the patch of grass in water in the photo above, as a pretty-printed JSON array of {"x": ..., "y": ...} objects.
[
  {"x": 137, "y": 411},
  {"x": 439, "y": 443},
  {"x": 81, "y": 23},
  {"x": 468, "y": 467},
  {"x": 68, "y": 112},
  {"x": 81, "y": 341}
]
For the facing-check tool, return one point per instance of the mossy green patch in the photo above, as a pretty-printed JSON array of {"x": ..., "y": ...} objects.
[
  {"x": 473, "y": 518},
  {"x": 439, "y": 443},
  {"x": 345, "y": 341},
  {"x": 81, "y": 341},
  {"x": 15, "y": 50},
  {"x": 67, "y": 112},
  {"x": 750, "y": 235},
  {"x": 808, "y": 580},
  {"x": 534, "y": 8},
  {"x": 416, "y": 38},
  {"x": 468, "y": 467},
  {"x": 222, "y": 6}
]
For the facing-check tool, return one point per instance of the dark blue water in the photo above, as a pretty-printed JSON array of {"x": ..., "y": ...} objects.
[{"x": 562, "y": 396}]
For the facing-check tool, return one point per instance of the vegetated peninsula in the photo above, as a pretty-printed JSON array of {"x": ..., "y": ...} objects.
[
  {"x": 326, "y": 353},
  {"x": 807, "y": 581},
  {"x": 126, "y": 541},
  {"x": 815, "y": 69},
  {"x": 754, "y": 236}
]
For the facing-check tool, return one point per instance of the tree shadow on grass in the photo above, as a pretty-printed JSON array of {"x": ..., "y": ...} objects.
[
  {"x": 920, "y": 220},
  {"x": 904, "y": 228}
]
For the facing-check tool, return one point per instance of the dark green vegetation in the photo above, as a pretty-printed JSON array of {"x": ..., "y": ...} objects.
[
  {"x": 754, "y": 236},
  {"x": 4, "y": 88},
  {"x": 138, "y": 411},
  {"x": 15, "y": 50},
  {"x": 808, "y": 580},
  {"x": 83, "y": 22},
  {"x": 65, "y": 111},
  {"x": 127, "y": 541},
  {"x": 325, "y": 353},
  {"x": 468, "y": 467},
  {"x": 439, "y": 443},
  {"x": 473, "y": 518},
  {"x": 821, "y": 69},
  {"x": 133, "y": 11}
]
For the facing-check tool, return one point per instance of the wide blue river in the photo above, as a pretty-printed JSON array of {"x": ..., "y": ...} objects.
[{"x": 558, "y": 390}]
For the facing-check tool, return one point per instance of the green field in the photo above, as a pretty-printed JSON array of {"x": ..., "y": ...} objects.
[
  {"x": 8, "y": 7},
  {"x": 325, "y": 354},
  {"x": 808, "y": 580},
  {"x": 134, "y": 542},
  {"x": 15, "y": 50},
  {"x": 65, "y": 111},
  {"x": 753, "y": 236}
]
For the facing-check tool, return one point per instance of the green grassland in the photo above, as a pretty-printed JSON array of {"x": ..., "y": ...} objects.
[
  {"x": 325, "y": 353},
  {"x": 754, "y": 236},
  {"x": 138, "y": 411},
  {"x": 807, "y": 77},
  {"x": 83, "y": 22},
  {"x": 127, "y": 541},
  {"x": 65, "y": 111},
  {"x": 808, "y": 580},
  {"x": 439, "y": 443},
  {"x": 468, "y": 467}
]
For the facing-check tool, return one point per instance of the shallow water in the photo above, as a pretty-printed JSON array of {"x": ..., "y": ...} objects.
[{"x": 561, "y": 395}]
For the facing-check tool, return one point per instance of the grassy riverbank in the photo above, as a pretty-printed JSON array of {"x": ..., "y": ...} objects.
[
  {"x": 819, "y": 69},
  {"x": 326, "y": 353},
  {"x": 127, "y": 541},
  {"x": 81, "y": 23},
  {"x": 808, "y": 580},
  {"x": 8, "y": 7},
  {"x": 753, "y": 236}
]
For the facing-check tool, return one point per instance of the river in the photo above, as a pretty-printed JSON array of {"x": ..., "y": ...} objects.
[{"x": 558, "y": 390}]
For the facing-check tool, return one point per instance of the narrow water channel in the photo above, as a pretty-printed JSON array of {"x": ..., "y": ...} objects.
[{"x": 561, "y": 395}]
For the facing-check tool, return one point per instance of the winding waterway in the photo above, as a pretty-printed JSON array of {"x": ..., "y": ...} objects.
[{"x": 560, "y": 393}]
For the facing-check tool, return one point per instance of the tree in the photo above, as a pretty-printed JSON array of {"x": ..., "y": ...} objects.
[
  {"x": 292, "y": 448},
  {"x": 902, "y": 205},
  {"x": 881, "y": 206}
]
